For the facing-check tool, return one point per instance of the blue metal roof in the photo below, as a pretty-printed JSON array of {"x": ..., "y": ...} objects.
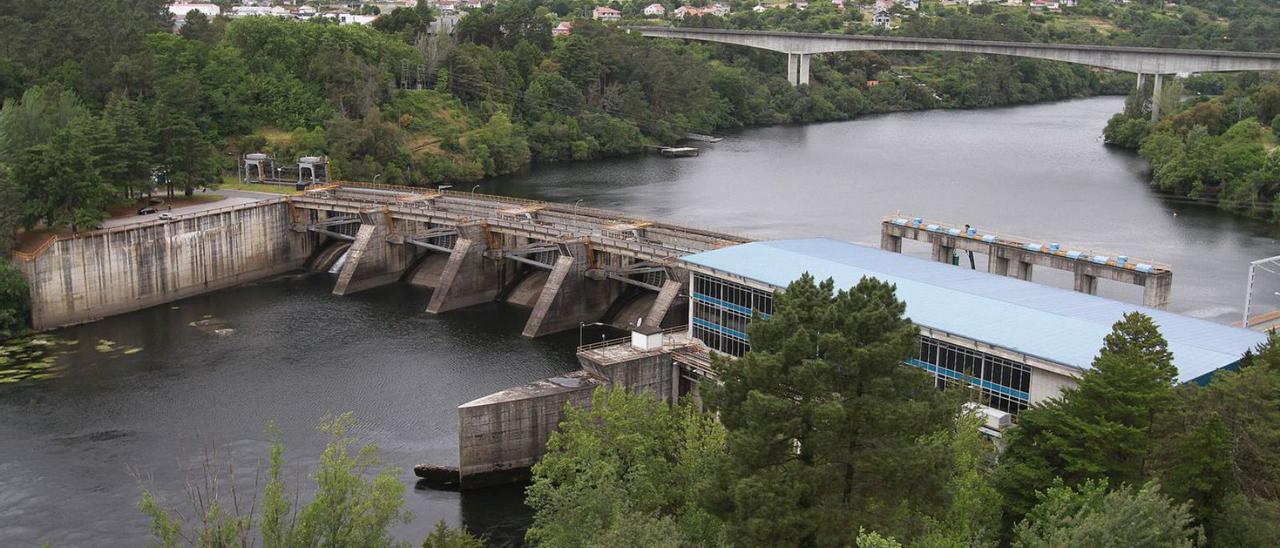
[{"x": 1055, "y": 324}]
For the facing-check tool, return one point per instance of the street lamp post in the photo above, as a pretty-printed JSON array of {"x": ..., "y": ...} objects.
[
  {"x": 375, "y": 178},
  {"x": 473, "y": 190},
  {"x": 582, "y": 325}
]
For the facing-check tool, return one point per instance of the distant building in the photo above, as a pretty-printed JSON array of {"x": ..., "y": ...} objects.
[
  {"x": 180, "y": 11},
  {"x": 352, "y": 19},
  {"x": 759, "y": 9},
  {"x": 801, "y": 4},
  {"x": 913, "y": 5},
  {"x": 248, "y": 11},
  {"x": 605, "y": 13},
  {"x": 563, "y": 29},
  {"x": 655, "y": 10},
  {"x": 882, "y": 19},
  {"x": 719, "y": 10}
]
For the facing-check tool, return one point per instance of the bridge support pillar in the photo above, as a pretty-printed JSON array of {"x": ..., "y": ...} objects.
[
  {"x": 569, "y": 298},
  {"x": 1086, "y": 283},
  {"x": 889, "y": 242},
  {"x": 1022, "y": 271},
  {"x": 469, "y": 278},
  {"x": 1156, "y": 289},
  {"x": 371, "y": 261},
  {"x": 942, "y": 252},
  {"x": 1155, "y": 98},
  {"x": 1141, "y": 80},
  {"x": 998, "y": 265},
  {"x": 798, "y": 68}
]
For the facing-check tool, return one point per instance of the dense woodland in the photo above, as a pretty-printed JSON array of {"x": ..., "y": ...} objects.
[{"x": 824, "y": 438}]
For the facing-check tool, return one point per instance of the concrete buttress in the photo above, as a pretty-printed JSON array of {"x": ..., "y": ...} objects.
[
  {"x": 569, "y": 297},
  {"x": 469, "y": 278},
  {"x": 372, "y": 261}
]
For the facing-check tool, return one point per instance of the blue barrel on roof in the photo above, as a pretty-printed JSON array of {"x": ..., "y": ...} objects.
[
  {"x": 1053, "y": 247},
  {"x": 1074, "y": 254},
  {"x": 1121, "y": 260},
  {"x": 1100, "y": 259},
  {"x": 971, "y": 232},
  {"x": 917, "y": 221},
  {"x": 1143, "y": 267},
  {"x": 989, "y": 238},
  {"x": 900, "y": 221}
]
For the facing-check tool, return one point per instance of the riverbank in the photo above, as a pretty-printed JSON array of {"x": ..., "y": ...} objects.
[{"x": 80, "y": 446}]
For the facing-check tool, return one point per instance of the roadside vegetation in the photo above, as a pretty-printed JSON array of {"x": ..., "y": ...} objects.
[{"x": 824, "y": 438}]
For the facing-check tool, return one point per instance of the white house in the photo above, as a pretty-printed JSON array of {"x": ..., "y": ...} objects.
[
  {"x": 565, "y": 28},
  {"x": 913, "y": 5},
  {"x": 882, "y": 19},
  {"x": 718, "y": 9},
  {"x": 605, "y": 13},
  {"x": 655, "y": 10}
]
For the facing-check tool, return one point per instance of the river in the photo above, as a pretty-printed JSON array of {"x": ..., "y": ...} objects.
[{"x": 76, "y": 450}]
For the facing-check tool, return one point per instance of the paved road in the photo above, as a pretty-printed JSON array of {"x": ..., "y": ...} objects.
[{"x": 233, "y": 197}]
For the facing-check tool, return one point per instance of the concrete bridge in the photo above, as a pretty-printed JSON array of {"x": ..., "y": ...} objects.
[{"x": 799, "y": 47}]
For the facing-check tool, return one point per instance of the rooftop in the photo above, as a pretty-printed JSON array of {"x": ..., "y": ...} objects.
[{"x": 1054, "y": 324}]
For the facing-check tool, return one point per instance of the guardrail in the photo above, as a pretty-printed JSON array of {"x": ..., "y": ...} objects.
[
  {"x": 1035, "y": 245},
  {"x": 627, "y": 339}
]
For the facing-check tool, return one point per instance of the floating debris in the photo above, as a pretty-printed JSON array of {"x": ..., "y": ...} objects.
[
  {"x": 30, "y": 359},
  {"x": 214, "y": 326}
]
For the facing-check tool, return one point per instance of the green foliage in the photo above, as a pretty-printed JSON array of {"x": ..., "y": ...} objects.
[
  {"x": 35, "y": 118},
  {"x": 823, "y": 420},
  {"x": 447, "y": 537},
  {"x": 15, "y": 301},
  {"x": 356, "y": 503},
  {"x": 631, "y": 471},
  {"x": 1102, "y": 428},
  {"x": 1089, "y": 515}
]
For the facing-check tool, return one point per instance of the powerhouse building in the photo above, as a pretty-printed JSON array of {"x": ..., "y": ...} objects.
[{"x": 1013, "y": 342}]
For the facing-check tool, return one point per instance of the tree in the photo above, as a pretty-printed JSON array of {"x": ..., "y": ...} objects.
[
  {"x": 356, "y": 503},
  {"x": 1104, "y": 427},
  {"x": 447, "y": 537},
  {"x": 15, "y": 301},
  {"x": 629, "y": 471},
  {"x": 1088, "y": 515},
  {"x": 34, "y": 119},
  {"x": 824, "y": 421},
  {"x": 61, "y": 182}
]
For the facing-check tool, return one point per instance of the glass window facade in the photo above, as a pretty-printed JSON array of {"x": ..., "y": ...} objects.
[
  {"x": 721, "y": 310},
  {"x": 996, "y": 382}
]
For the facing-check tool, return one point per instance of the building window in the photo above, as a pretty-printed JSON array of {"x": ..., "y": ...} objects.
[
  {"x": 722, "y": 310},
  {"x": 994, "y": 381}
]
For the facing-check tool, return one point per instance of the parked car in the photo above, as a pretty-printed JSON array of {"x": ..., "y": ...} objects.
[
  {"x": 166, "y": 217},
  {"x": 146, "y": 210}
]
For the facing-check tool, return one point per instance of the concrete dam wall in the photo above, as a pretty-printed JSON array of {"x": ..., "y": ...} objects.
[{"x": 123, "y": 269}]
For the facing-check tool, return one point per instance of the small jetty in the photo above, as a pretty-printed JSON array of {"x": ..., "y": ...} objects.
[
  {"x": 675, "y": 152},
  {"x": 702, "y": 138}
]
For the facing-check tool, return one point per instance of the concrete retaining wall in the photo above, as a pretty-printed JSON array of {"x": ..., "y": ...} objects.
[{"x": 121, "y": 270}]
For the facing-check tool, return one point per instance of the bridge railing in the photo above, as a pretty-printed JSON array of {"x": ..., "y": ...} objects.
[
  {"x": 627, "y": 340},
  {"x": 1029, "y": 244}
]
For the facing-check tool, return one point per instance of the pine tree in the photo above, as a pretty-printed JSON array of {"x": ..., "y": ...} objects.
[
  {"x": 1103, "y": 427},
  {"x": 825, "y": 422}
]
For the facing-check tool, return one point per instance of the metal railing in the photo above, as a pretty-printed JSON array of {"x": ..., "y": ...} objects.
[{"x": 627, "y": 339}]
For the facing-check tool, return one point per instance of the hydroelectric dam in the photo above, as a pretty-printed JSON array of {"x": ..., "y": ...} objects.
[{"x": 686, "y": 294}]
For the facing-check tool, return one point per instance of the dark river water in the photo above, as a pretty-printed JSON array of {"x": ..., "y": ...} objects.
[{"x": 77, "y": 450}]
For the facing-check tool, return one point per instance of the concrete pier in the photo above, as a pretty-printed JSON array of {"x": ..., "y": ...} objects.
[
  {"x": 1017, "y": 257},
  {"x": 373, "y": 260},
  {"x": 503, "y": 434},
  {"x": 469, "y": 278},
  {"x": 570, "y": 298}
]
